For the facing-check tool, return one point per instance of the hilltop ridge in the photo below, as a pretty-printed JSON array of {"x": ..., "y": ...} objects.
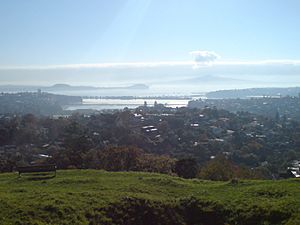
[{"x": 99, "y": 197}]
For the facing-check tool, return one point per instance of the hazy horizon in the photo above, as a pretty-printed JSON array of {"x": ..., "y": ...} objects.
[{"x": 183, "y": 46}]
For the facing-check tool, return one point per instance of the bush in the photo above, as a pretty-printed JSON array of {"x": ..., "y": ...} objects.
[{"x": 186, "y": 168}]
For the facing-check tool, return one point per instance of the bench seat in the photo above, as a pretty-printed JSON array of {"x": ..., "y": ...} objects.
[{"x": 37, "y": 168}]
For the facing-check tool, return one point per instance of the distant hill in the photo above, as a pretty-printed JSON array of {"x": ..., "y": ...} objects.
[
  {"x": 213, "y": 79},
  {"x": 37, "y": 103},
  {"x": 68, "y": 87},
  {"x": 134, "y": 198},
  {"x": 254, "y": 92},
  {"x": 63, "y": 87},
  {"x": 209, "y": 79}
]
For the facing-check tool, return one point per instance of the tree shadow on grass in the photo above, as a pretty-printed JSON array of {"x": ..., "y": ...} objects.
[{"x": 37, "y": 176}]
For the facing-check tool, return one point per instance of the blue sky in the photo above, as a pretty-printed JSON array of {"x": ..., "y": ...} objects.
[
  {"x": 76, "y": 31},
  {"x": 40, "y": 34}
]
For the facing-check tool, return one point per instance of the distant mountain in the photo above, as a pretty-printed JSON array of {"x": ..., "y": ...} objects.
[
  {"x": 214, "y": 79},
  {"x": 209, "y": 79},
  {"x": 63, "y": 87},
  {"x": 70, "y": 87},
  {"x": 137, "y": 86},
  {"x": 254, "y": 92},
  {"x": 18, "y": 88}
]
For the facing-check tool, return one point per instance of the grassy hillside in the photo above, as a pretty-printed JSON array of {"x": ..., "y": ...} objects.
[{"x": 98, "y": 197}]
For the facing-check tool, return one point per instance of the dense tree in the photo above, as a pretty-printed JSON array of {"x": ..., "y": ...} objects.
[
  {"x": 155, "y": 163},
  {"x": 120, "y": 158},
  {"x": 223, "y": 169},
  {"x": 80, "y": 141},
  {"x": 186, "y": 168}
]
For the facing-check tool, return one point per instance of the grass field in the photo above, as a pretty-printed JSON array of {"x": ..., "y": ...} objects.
[{"x": 99, "y": 197}]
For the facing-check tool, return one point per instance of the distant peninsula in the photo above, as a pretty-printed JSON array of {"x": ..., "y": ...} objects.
[
  {"x": 66, "y": 87},
  {"x": 255, "y": 92}
]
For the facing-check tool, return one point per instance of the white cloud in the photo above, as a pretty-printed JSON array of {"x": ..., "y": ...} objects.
[
  {"x": 101, "y": 65},
  {"x": 204, "y": 57},
  {"x": 201, "y": 58}
]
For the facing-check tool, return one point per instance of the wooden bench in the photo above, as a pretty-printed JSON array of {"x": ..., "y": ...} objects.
[{"x": 37, "y": 169}]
